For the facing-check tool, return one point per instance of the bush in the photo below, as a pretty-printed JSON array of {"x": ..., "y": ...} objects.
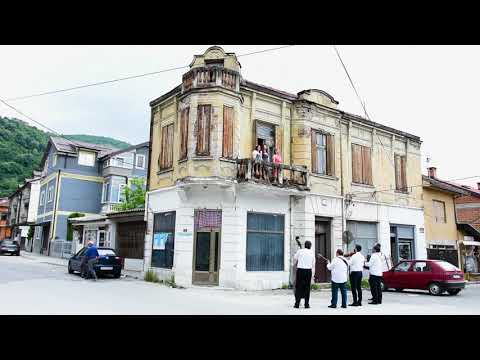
[
  {"x": 171, "y": 282},
  {"x": 151, "y": 276},
  {"x": 284, "y": 286},
  {"x": 365, "y": 284},
  {"x": 315, "y": 287}
]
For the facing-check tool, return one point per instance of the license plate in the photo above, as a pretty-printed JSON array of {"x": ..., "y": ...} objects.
[
  {"x": 106, "y": 268},
  {"x": 456, "y": 276}
]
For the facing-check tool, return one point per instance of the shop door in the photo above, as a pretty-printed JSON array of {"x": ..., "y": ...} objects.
[
  {"x": 322, "y": 250},
  {"x": 45, "y": 235},
  {"x": 206, "y": 247}
]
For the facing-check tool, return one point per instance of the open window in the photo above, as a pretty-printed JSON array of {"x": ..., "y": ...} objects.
[{"x": 323, "y": 153}]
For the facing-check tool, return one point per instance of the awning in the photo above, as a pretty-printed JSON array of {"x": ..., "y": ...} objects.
[{"x": 470, "y": 243}]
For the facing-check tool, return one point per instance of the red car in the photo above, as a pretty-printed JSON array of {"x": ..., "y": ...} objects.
[{"x": 436, "y": 276}]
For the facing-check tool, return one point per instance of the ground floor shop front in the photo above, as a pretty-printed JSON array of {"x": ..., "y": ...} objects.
[{"x": 244, "y": 236}]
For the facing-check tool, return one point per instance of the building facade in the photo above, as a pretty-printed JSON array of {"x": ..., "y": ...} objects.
[
  {"x": 80, "y": 177},
  {"x": 23, "y": 210},
  {"x": 216, "y": 217},
  {"x": 5, "y": 230}
]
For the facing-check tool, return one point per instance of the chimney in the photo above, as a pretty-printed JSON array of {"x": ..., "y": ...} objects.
[{"x": 432, "y": 172}]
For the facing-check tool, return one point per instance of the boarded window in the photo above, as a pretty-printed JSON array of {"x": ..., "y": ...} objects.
[
  {"x": 439, "y": 211},
  {"x": 265, "y": 242},
  {"x": 184, "y": 133},
  {"x": 361, "y": 164},
  {"x": 203, "y": 130},
  {"x": 131, "y": 237},
  {"x": 323, "y": 153},
  {"x": 166, "y": 154},
  {"x": 227, "y": 132},
  {"x": 163, "y": 244},
  {"x": 400, "y": 172}
]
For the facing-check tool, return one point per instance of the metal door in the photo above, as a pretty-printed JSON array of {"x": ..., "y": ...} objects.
[
  {"x": 206, "y": 257},
  {"x": 322, "y": 247}
]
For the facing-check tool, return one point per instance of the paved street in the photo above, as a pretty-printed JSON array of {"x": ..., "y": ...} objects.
[{"x": 30, "y": 286}]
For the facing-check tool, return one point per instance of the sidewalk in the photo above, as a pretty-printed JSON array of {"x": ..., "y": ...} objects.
[{"x": 64, "y": 262}]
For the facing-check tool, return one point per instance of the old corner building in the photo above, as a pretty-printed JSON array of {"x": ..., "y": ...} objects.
[{"x": 216, "y": 217}]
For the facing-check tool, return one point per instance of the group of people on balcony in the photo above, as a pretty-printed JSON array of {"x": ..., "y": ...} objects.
[{"x": 262, "y": 163}]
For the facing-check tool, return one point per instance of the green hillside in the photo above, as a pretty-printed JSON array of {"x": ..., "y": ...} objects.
[{"x": 22, "y": 147}]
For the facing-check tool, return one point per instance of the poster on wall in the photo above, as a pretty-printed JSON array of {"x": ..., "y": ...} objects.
[{"x": 159, "y": 240}]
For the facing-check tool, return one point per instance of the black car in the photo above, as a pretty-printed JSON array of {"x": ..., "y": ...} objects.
[
  {"x": 108, "y": 263},
  {"x": 9, "y": 247}
]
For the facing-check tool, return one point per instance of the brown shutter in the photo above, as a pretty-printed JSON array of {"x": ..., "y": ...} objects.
[
  {"x": 367, "y": 165},
  {"x": 279, "y": 140},
  {"x": 203, "y": 129},
  {"x": 207, "y": 115},
  {"x": 356, "y": 163},
  {"x": 254, "y": 135},
  {"x": 398, "y": 179},
  {"x": 199, "y": 130},
  {"x": 330, "y": 155},
  {"x": 314, "y": 147},
  {"x": 184, "y": 133},
  {"x": 403, "y": 175},
  {"x": 227, "y": 132},
  {"x": 170, "y": 146}
]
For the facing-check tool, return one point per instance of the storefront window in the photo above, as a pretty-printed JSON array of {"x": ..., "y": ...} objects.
[
  {"x": 163, "y": 243},
  {"x": 364, "y": 234}
]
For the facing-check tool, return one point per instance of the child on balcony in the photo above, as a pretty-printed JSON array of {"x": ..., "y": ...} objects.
[
  {"x": 256, "y": 159},
  {"x": 277, "y": 159}
]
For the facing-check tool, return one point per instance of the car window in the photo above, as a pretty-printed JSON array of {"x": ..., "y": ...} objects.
[
  {"x": 81, "y": 252},
  {"x": 403, "y": 267},
  {"x": 105, "y": 252},
  {"x": 447, "y": 266},
  {"x": 7, "y": 242},
  {"x": 422, "y": 266}
]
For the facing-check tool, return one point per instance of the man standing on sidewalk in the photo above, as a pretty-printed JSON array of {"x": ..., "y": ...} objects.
[
  {"x": 356, "y": 263},
  {"x": 91, "y": 256},
  {"x": 339, "y": 269},
  {"x": 305, "y": 259},
  {"x": 375, "y": 265}
]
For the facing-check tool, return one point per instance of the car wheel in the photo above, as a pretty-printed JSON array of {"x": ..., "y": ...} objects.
[
  {"x": 383, "y": 286},
  {"x": 117, "y": 275},
  {"x": 454, "y": 291},
  {"x": 399, "y": 289},
  {"x": 70, "y": 270},
  {"x": 434, "y": 289}
]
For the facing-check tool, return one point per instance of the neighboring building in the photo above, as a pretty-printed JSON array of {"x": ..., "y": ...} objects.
[
  {"x": 5, "y": 231},
  {"x": 125, "y": 231},
  {"x": 23, "y": 210},
  {"x": 468, "y": 206},
  {"x": 211, "y": 221},
  {"x": 445, "y": 237}
]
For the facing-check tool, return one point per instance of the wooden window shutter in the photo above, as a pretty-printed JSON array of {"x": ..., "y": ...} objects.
[
  {"x": 398, "y": 179},
  {"x": 367, "y": 165},
  {"x": 169, "y": 146},
  {"x": 184, "y": 133},
  {"x": 203, "y": 129},
  {"x": 279, "y": 140},
  {"x": 330, "y": 155},
  {"x": 403, "y": 167},
  {"x": 356, "y": 164},
  {"x": 254, "y": 135},
  {"x": 314, "y": 152},
  {"x": 227, "y": 132}
]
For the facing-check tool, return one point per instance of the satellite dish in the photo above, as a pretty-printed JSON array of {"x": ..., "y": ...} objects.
[{"x": 347, "y": 237}]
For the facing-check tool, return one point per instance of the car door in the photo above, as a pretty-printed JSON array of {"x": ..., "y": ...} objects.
[
  {"x": 421, "y": 275},
  {"x": 399, "y": 278},
  {"x": 76, "y": 260}
]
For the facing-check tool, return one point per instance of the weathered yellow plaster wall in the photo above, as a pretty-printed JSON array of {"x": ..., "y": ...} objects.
[{"x": 439, "y": 231}]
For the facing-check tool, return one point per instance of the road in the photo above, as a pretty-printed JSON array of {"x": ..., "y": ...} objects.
[{"x": 31, "y": 287}]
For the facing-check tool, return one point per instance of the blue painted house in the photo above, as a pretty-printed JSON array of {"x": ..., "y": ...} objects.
[{"x": 81, "y": 177}]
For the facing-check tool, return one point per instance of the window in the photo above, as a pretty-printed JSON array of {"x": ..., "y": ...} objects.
[
  {"x": 163, "y": 243},
  {"x": 364, "y": 234},
  {"x": 443, "y": 247},
  {"x": 50, "y": 194},
  {"x": 203, "y": 130},
  {"x": 361, "y": 164},
  {"x": 184, "y": 133},
  {"x": 400, "y": 172},
  {"x": 121, "y": 193},
  {"x": 447, "y": 266},
  {"x": 140, "y": 161},
  {"x": 439, "y": 211},
  {"x": 422, "y": 266},
  {"x": 86, "y": 158},
  {"x": 323, "y": 150},
  {"x": 54, "y": 160},
  {"x": 115, "y": 183},
  {"x": 265, "y": 242},
  {"x": 166, "y": 152},
  {"x": 42, "y": 198},
  {"x": 106, "y": 192},
  {"x": 106, "y": 252},
  {"x": 403, "y": 267},
  {"x": 227, "y": 151}
]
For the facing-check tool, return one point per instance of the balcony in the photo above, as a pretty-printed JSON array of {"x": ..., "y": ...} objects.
[
  {"x": 210, "y": 76},
  {"x": 280, "y": 175},
  {"x": 111, "y": 207}
]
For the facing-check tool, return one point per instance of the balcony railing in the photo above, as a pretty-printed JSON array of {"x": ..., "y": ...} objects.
[
  {"x": 108, "y": 208},
  {"x": 210, "y": 76},
  {"x": 280, "y": 175}
]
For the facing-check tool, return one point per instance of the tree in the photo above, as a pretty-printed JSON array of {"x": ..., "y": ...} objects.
[
  {"x": 134, "y": 195},
  {"x": 69, "y": 225}
]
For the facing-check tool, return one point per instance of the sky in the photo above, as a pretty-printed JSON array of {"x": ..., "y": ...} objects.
[{"x": 428, "y": 91}]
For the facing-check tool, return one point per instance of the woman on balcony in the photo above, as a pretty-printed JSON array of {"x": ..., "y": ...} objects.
[
  {"x": 265, "y": 160},
  {"x": 257, "y": 159},
  {"x": 277, "y": 160}
]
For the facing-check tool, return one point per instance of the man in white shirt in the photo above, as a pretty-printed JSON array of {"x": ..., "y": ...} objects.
[
  {"x": 356, "y": 262},
  {"x": 339, "y": 270},
  {"x": 376, "y": 266},
  {"x": 305, "y": 260}
]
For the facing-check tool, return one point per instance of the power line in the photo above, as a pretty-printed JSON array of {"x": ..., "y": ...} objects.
[{"x": 129, "y": 77}]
